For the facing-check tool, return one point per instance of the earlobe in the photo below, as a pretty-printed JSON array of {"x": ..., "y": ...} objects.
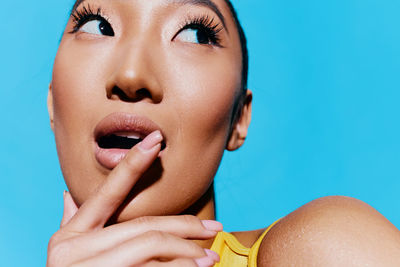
[
  {"x": 241, "y": 124},
  {"x": 50, "y": 106}
]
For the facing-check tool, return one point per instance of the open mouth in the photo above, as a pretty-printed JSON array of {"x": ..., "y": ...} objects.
[
  {"x": 115, "y": 141},
  {"x": 117, "y": 133},
  {"x": 118, "y": 141}
]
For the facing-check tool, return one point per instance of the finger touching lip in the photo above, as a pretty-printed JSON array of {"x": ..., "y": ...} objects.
[{"x": 117, "y": 133}]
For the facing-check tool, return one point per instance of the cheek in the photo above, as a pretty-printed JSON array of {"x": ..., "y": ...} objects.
[
  {"x": 202, "y": 96},
  {"x": 206, "y": 85},
  {"x": 73, "y": 95},
  {"x": 78, "y": 77},
  {"x": 76, "y": 81}
]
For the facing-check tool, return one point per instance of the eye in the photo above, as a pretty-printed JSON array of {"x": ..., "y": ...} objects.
[
  {"x": 200, "y": 30},
  {"x": 91, "y": 21},
  {"x": 97, "y": 26},
  {"x": 194, "y": 35}
]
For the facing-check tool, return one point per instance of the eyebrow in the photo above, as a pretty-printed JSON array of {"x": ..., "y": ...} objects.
[{"x": 207, "y": 3}]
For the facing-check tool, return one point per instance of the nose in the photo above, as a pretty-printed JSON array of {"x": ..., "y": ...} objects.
[{"x": 134, "y": 77}]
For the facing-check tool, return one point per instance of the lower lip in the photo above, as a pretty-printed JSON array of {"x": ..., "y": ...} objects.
[{"x": 109, "y": 158}]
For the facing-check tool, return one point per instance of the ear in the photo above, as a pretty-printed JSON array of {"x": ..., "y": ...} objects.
[
  {"x": 50, "y": 106},
  {"x": 241, "y": 124}
]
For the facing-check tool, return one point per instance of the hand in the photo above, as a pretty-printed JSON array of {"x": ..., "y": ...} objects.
[{"x": 147, "y": 241}]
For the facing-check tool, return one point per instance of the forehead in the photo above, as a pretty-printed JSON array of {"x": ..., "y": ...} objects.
[
  {"x": 217, "y": 6},
  {"x": 213, "y": 4}
]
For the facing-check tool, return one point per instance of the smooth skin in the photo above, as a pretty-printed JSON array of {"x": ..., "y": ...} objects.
[
  {"x": 83, "y": 241},
  {"x": 114, "y": 217}
]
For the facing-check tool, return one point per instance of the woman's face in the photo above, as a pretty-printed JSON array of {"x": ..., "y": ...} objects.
[{"x": 127, "y": 67}]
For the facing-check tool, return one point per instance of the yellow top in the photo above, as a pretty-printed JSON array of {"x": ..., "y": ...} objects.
[{"x": 233, "y": 253}]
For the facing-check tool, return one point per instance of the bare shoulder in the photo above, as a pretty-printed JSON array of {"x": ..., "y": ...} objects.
[{"x": 332, "y": 231}]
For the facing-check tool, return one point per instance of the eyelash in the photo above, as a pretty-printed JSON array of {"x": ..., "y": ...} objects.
[
  {"x": 80, "y": 17},
  {"x": 205, "y": 23}
]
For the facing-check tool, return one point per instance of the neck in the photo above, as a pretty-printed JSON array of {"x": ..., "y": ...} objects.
[{"x": 204, "y": 209}]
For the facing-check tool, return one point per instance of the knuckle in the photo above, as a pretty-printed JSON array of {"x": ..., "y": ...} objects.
[
  {"x": 156, "y": 237},
  {"x": 196, "y": 249},
  {"x": 108, "y": 194},
  {"x": 145, "y": 220},
  {"x": 191, "y": 219},
  {"x": 53, "y": 241},
  {"x": 57, "y": 253},
  {"x": 132, "y": 162}
]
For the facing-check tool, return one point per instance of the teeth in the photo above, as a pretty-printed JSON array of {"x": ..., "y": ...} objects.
[{"x": 131, "y": 136}]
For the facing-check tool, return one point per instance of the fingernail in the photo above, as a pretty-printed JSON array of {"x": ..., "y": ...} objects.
[
  {"x": 64, "y": 193},
  {"x": 204, "y": 262},
  {"x": 151, "y": 141},
  {"x": 212, "y": 225},
  {"x": 212, "y": 254}
]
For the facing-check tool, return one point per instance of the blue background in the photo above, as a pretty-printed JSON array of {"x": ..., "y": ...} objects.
[{"x": 325, "y": 116}]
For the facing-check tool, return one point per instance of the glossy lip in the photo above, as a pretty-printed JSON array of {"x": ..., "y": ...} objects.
[{"x": 117, "y": 123}]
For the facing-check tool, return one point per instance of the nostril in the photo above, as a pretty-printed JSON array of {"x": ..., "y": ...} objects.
[
  {"x": 143, "y": 93},
  {"x": 118, "y": 93},
  {"x": 129, "y": 96}
]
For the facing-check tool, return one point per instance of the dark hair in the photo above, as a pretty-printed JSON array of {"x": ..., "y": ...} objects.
[
  {"x": 241, "y": 98},
  {"x": 243, "y": 44}
]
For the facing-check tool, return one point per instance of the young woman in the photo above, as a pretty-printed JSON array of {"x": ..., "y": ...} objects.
[{"x": 145, "y": 97}]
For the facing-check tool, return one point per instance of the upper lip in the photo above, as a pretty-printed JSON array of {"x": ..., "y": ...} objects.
[{"x": 123, "y": 124}]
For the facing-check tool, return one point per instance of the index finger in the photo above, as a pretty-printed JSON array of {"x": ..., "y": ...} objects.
[{"x": 96, "y": 211}]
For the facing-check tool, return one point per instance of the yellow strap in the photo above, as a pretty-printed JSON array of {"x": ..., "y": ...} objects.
[
  {"x": 233, "y": 253},
  {"x": 256, "y": 246}
]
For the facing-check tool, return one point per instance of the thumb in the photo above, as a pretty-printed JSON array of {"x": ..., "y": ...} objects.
[{"x": 70, "y": 208}]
